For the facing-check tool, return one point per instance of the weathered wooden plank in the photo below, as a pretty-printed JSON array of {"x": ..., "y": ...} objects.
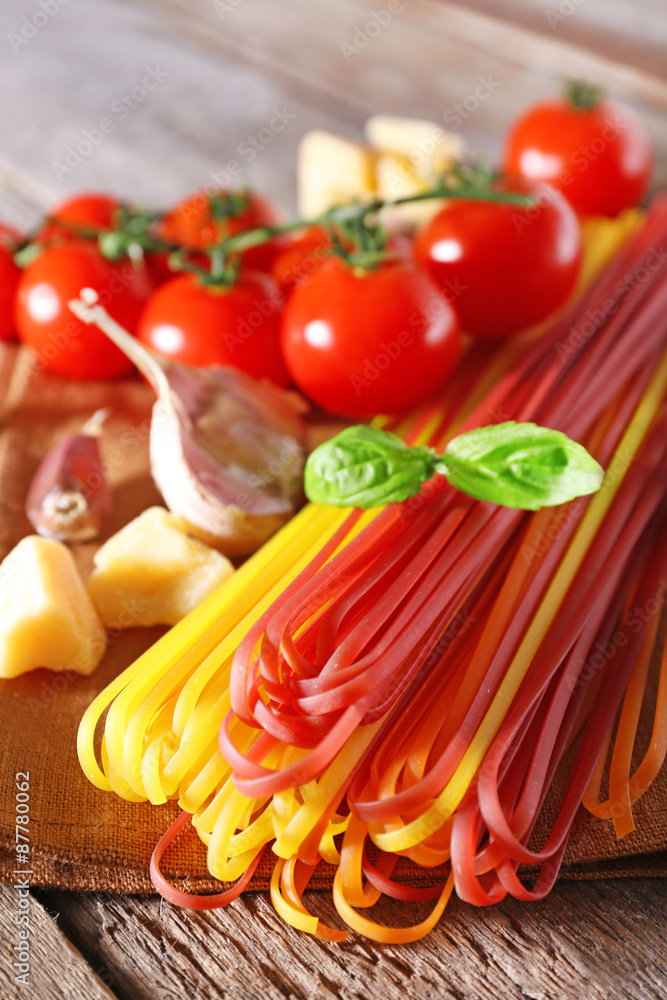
[
  {"x": 220, "y": 72},
  {"x": 56, "y": 968},
  {"x": 64, "y": 80},
  {"x": 202, "y": 113},
  {"x": 631, "y": 33},
  {"x": 599, "y": 940},
  {"x": 422, "y": 57}
]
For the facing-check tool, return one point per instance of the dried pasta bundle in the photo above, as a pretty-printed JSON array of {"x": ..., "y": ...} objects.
[{"x": 415, "y": 676}]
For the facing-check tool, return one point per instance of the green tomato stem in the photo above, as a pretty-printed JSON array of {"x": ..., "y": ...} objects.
[
  {"x": 358, "y": 221},
  {"x": 582, "y": 96}
]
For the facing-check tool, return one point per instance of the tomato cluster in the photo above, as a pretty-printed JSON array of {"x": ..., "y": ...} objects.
[
  {"x": 596, "y": 151},
  {"x": 357, "y": 334},
  {"x": 176, "y": 314}
]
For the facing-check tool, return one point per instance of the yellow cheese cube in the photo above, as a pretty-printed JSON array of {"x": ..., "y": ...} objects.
[
  {"x": 333, "y": 171},
  {"x": 152, "y": 573},
  {"x": 397, "y": 178},
  {"x": 46, "y": 616},
  {"x": 429, "y": 148}
]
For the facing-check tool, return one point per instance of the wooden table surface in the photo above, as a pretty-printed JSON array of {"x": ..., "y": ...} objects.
[{"x": 221, "y": 68}]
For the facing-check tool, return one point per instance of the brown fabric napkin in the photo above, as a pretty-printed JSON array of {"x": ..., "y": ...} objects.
[{"x": 85, "y": 839}]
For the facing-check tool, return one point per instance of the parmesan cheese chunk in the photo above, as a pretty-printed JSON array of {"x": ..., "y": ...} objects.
[
  {"x": 152, "y": 573},
  {"x": 333, "y": 171},
  {"x": 429, "y": 148},
  {"x": 46, "y": 616},
  {"x": 396, "y": 178}
]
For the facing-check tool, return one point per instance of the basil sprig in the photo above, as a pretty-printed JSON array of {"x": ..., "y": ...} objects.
[{"x": 514, "y": 465}]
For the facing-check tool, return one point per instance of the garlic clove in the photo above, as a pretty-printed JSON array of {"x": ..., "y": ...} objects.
[
  {"x": 211, "y": 505},
  {"x": 227, "y": 451},
  {"x": 69, "y": 498}
]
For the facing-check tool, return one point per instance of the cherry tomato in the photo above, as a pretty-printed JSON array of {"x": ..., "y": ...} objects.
[
  {"x": 600, "y": 156},
  {"x": 361, "y": 343},
  {"x": 302, "y": 255},
  {"x": 504, "y": 266},
  {"x": 10, "y": 276},
  {"x": 91, "y": 211},
  {"x": 203, "y": 325},
  {"x": 158, "y": 265},
  {"x": 9, "y": 237},
  {"x": 96, "y": 212},
  {"x": 62, "y": 343},
  {"x": 194, "y": 223}
]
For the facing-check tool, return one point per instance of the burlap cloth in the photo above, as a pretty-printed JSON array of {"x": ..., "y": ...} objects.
[{"x": 85, "y": 839}]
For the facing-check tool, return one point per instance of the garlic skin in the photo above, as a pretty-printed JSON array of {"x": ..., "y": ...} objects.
[
  {"x": 69, "y": 498},
  {"x": 227, "y": 452},
  {"x": 228, "y": 457}
]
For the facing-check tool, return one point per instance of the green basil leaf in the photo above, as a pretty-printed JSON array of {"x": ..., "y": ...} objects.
[
  {"x": 366, "y": 467},
  {"x": 520, "y": 465}
]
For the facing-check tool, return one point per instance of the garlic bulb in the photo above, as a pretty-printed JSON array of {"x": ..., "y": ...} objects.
[
  {"x": 227, "y": 452},
  {"x": 69, "y": 498}
]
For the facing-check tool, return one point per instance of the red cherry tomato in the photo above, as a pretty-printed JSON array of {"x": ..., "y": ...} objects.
[
  {"x": 600, "y": 157},
  {"x": 203, "y": 325},
  {"x": 193, "y": 223},
  {"x": 304, "y": 255},
  {"x": 97, "y": 211},
  {"x": 365, "y": 343},
  {"x": 91, "y": 211},
  {"x": 10, "y": 276},
  {"x": 301, "y": 256},
  {"x": 9, "y": 237},
  {"x": 62, "y": 343},
  {"x": 504, "y": 266}
]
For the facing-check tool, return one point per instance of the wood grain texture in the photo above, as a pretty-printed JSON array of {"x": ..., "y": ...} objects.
[
  {"x": 57, "y": 969},
  {"x": 603, "y": 941},
  {"x": 224, "y": 76},
  {"x": 182, "y": 135},
  {"x": 631, "y": 33},
  {"x": 425, "y": 60}
]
